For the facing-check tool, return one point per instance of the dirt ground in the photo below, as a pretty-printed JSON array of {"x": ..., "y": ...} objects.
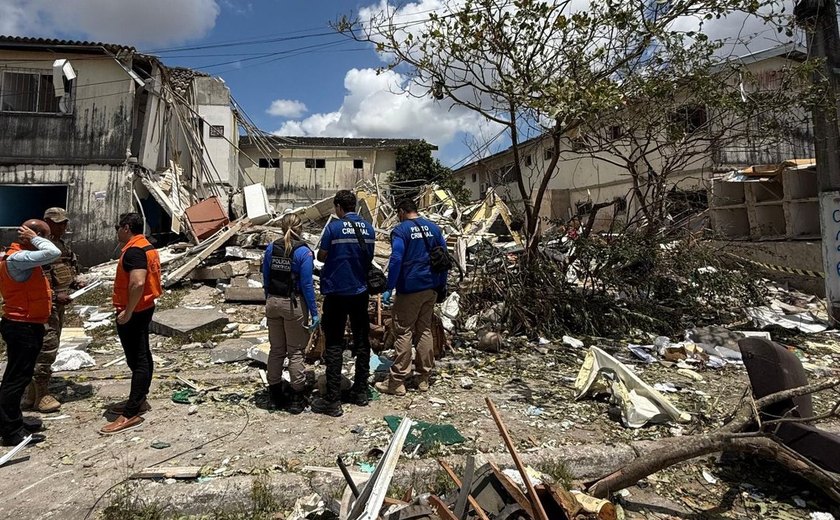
[{"x": 233, "y": 435}]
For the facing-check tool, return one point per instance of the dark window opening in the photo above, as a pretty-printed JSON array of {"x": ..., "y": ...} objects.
[
  {"x": 475, "y": 177},
  {"x": 358, "y": 164},
  {"x": 529, "y": 160},
  {"x": 320, "y": 163},
  {"x": 620, "y": 204},
  {"x": 19, "y": 203},
  {"x": 689, "y": 118},
  {"x": 31, "y": 92},
  {"x": 269, "y": 163},
  {"x": 548, "y": 153},
  {"x": 217, "y": 131},
  {"x": 616, "y": 132}
]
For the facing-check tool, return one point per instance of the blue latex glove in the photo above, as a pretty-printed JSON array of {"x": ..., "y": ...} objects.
[
  {"x": 386, "y": 297},
  {"x": 314, "y": 323}
]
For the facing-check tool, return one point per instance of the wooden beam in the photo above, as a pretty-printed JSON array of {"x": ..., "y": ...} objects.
[
  {"x": 178, "y": 274},
  {"x": 449, "y": 471},
  {"x": 513, "y": 490},
  {"x": 532, "y": 494}
]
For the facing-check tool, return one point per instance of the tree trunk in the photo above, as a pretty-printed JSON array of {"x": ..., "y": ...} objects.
[{"x": 675, "y": 450}]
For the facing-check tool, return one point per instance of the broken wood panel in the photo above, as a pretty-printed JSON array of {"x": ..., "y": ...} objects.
[{"x": 449, "y": 471}]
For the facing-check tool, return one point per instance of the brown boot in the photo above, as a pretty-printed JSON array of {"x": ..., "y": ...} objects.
[
  {"x": 391, "y": 387},
  {"x": 44, "y": 402},
  {"x": 28, "y": 400},
  {"x": 423, "y": 382}
]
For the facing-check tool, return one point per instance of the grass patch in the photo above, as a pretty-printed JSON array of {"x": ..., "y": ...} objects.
[
  {"x": 129, "y": 505},
  {"x": 171, "y": 298},
  {"x": 557, "y": 470}
]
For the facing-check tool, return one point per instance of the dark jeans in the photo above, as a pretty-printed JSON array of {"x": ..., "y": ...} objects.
[
  {"x": 134, "y": 337},
  {"x": 336, "y": 311},
  {"x": 23, "y": 344}
]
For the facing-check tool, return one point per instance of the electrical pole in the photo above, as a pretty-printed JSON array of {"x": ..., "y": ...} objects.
[{"x": 819, "y": 18}]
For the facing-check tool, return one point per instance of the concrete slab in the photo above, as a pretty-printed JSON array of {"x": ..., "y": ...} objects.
[
  {"x": 260, "y": 353},
  {"x": 232, "y": 350},
  {"x": 244, "y": 294},
  {"x": 175, "y": 322}
]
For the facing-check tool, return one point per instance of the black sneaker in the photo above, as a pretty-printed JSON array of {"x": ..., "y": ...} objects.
[
  {"x": 297, "y": 403},
  {"x": 17, "y": 439},
  {"x": 331, "y": 408},
  {"x": 356, "y": 396}
]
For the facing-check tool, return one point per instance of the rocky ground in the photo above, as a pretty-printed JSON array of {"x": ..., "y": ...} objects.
[{"x": 231, "y": 433}]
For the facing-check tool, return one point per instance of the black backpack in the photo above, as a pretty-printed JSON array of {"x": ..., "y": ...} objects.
[
  {"x": 440, "y": 260},
  {"x": 376, "y": 281}
]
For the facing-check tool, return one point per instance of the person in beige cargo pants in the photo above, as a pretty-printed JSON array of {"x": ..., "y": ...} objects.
[{"x": 287, "y": 278}]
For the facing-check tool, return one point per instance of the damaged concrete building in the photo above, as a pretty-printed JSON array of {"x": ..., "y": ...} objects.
[
  {"x": 80, "y": 119},
  {"x": 582, "y": 180},
  {"x": 298, "y": 171}
]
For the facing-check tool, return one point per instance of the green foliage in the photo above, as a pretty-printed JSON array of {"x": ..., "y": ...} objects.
[{"x": 416, "y": 167}]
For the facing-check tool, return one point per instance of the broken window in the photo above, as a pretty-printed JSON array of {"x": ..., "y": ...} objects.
[
  {"x": 269, "y": 163},
  {"x": 29, "y": 92},
  {"x": 217, "y": 130},
  {"x": 21, "y": 202},
  {"x": 358, "y": 164}
]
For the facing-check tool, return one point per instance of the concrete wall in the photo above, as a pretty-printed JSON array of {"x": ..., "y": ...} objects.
[
  {"x": 798, "y": 254},
  {"x": 97, "y": 130},
  {"x": 212, "y": 99},
  {"x": 294, "y": 185},
  {"x": 96, "y": 197}
]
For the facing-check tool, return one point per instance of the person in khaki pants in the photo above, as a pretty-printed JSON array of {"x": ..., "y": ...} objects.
[
  {"x": 417, "y": 288},
  {"x": 287, "y": 278}
]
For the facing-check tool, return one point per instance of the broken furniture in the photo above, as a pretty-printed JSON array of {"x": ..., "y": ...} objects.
[{"x": 772, "y": 368}]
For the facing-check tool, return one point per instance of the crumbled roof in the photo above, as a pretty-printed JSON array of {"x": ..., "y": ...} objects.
[
  {"x": 53, "y": 43},
  {"x": 333, "y": 142},
  {"x": 180, "y": 78}
]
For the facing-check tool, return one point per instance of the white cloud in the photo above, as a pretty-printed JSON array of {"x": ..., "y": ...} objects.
[
  {"x": 149, "y": 22},
  {"x": 286, "y": 108},
  {"x": 376, "y": 106}
]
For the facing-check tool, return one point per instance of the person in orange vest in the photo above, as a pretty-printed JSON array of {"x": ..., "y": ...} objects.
[
  {"x": 27, "y": 304},
  {"x": 136, "y": 286}
]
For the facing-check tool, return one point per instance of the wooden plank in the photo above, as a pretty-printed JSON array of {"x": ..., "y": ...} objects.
[
  {"x": 461, "y": 502},
  {"x": 179, "y": 273},
  {"x": 449, "y": 471},
  {"x": 513, "y": 490},
  {"x": 563, "y": 498},
  {"x": 532, "y": 494},
  {"x": 441, "y": 509},
  {"x": 168, "y": 472}
]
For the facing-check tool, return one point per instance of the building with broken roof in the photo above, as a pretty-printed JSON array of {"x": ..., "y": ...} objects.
[
  {"x": 84, "y": 122},
  {"x": 297, "y": 171}
]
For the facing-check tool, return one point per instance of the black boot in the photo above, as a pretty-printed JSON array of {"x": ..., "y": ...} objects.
[
  {"x": 297, "y": 403},
  {"x": 277, "y": 396},
  {"x": 357, "y": 394},
  {"x": 331, "y": 408},
  {"x": 16, "y": 439}
]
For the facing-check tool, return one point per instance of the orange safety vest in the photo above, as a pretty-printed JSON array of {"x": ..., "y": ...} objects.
[
  {"x": 29, "y": 301},
  {"x": 151, "y": 290}
]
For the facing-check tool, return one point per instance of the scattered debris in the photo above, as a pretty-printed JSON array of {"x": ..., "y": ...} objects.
[{"x": 68, "y": 360}]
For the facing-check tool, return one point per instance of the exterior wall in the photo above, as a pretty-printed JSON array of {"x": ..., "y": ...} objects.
[
  {"x": 96, "y": 196},
  {"x": 98, "y": 129},
  {"x": 212, "y": 98},
  {"x": 294, "y": 185},
  {"x": 798, "y": 254}
]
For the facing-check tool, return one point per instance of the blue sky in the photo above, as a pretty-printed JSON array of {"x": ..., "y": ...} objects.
[{"x": 318, "y": 82}]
